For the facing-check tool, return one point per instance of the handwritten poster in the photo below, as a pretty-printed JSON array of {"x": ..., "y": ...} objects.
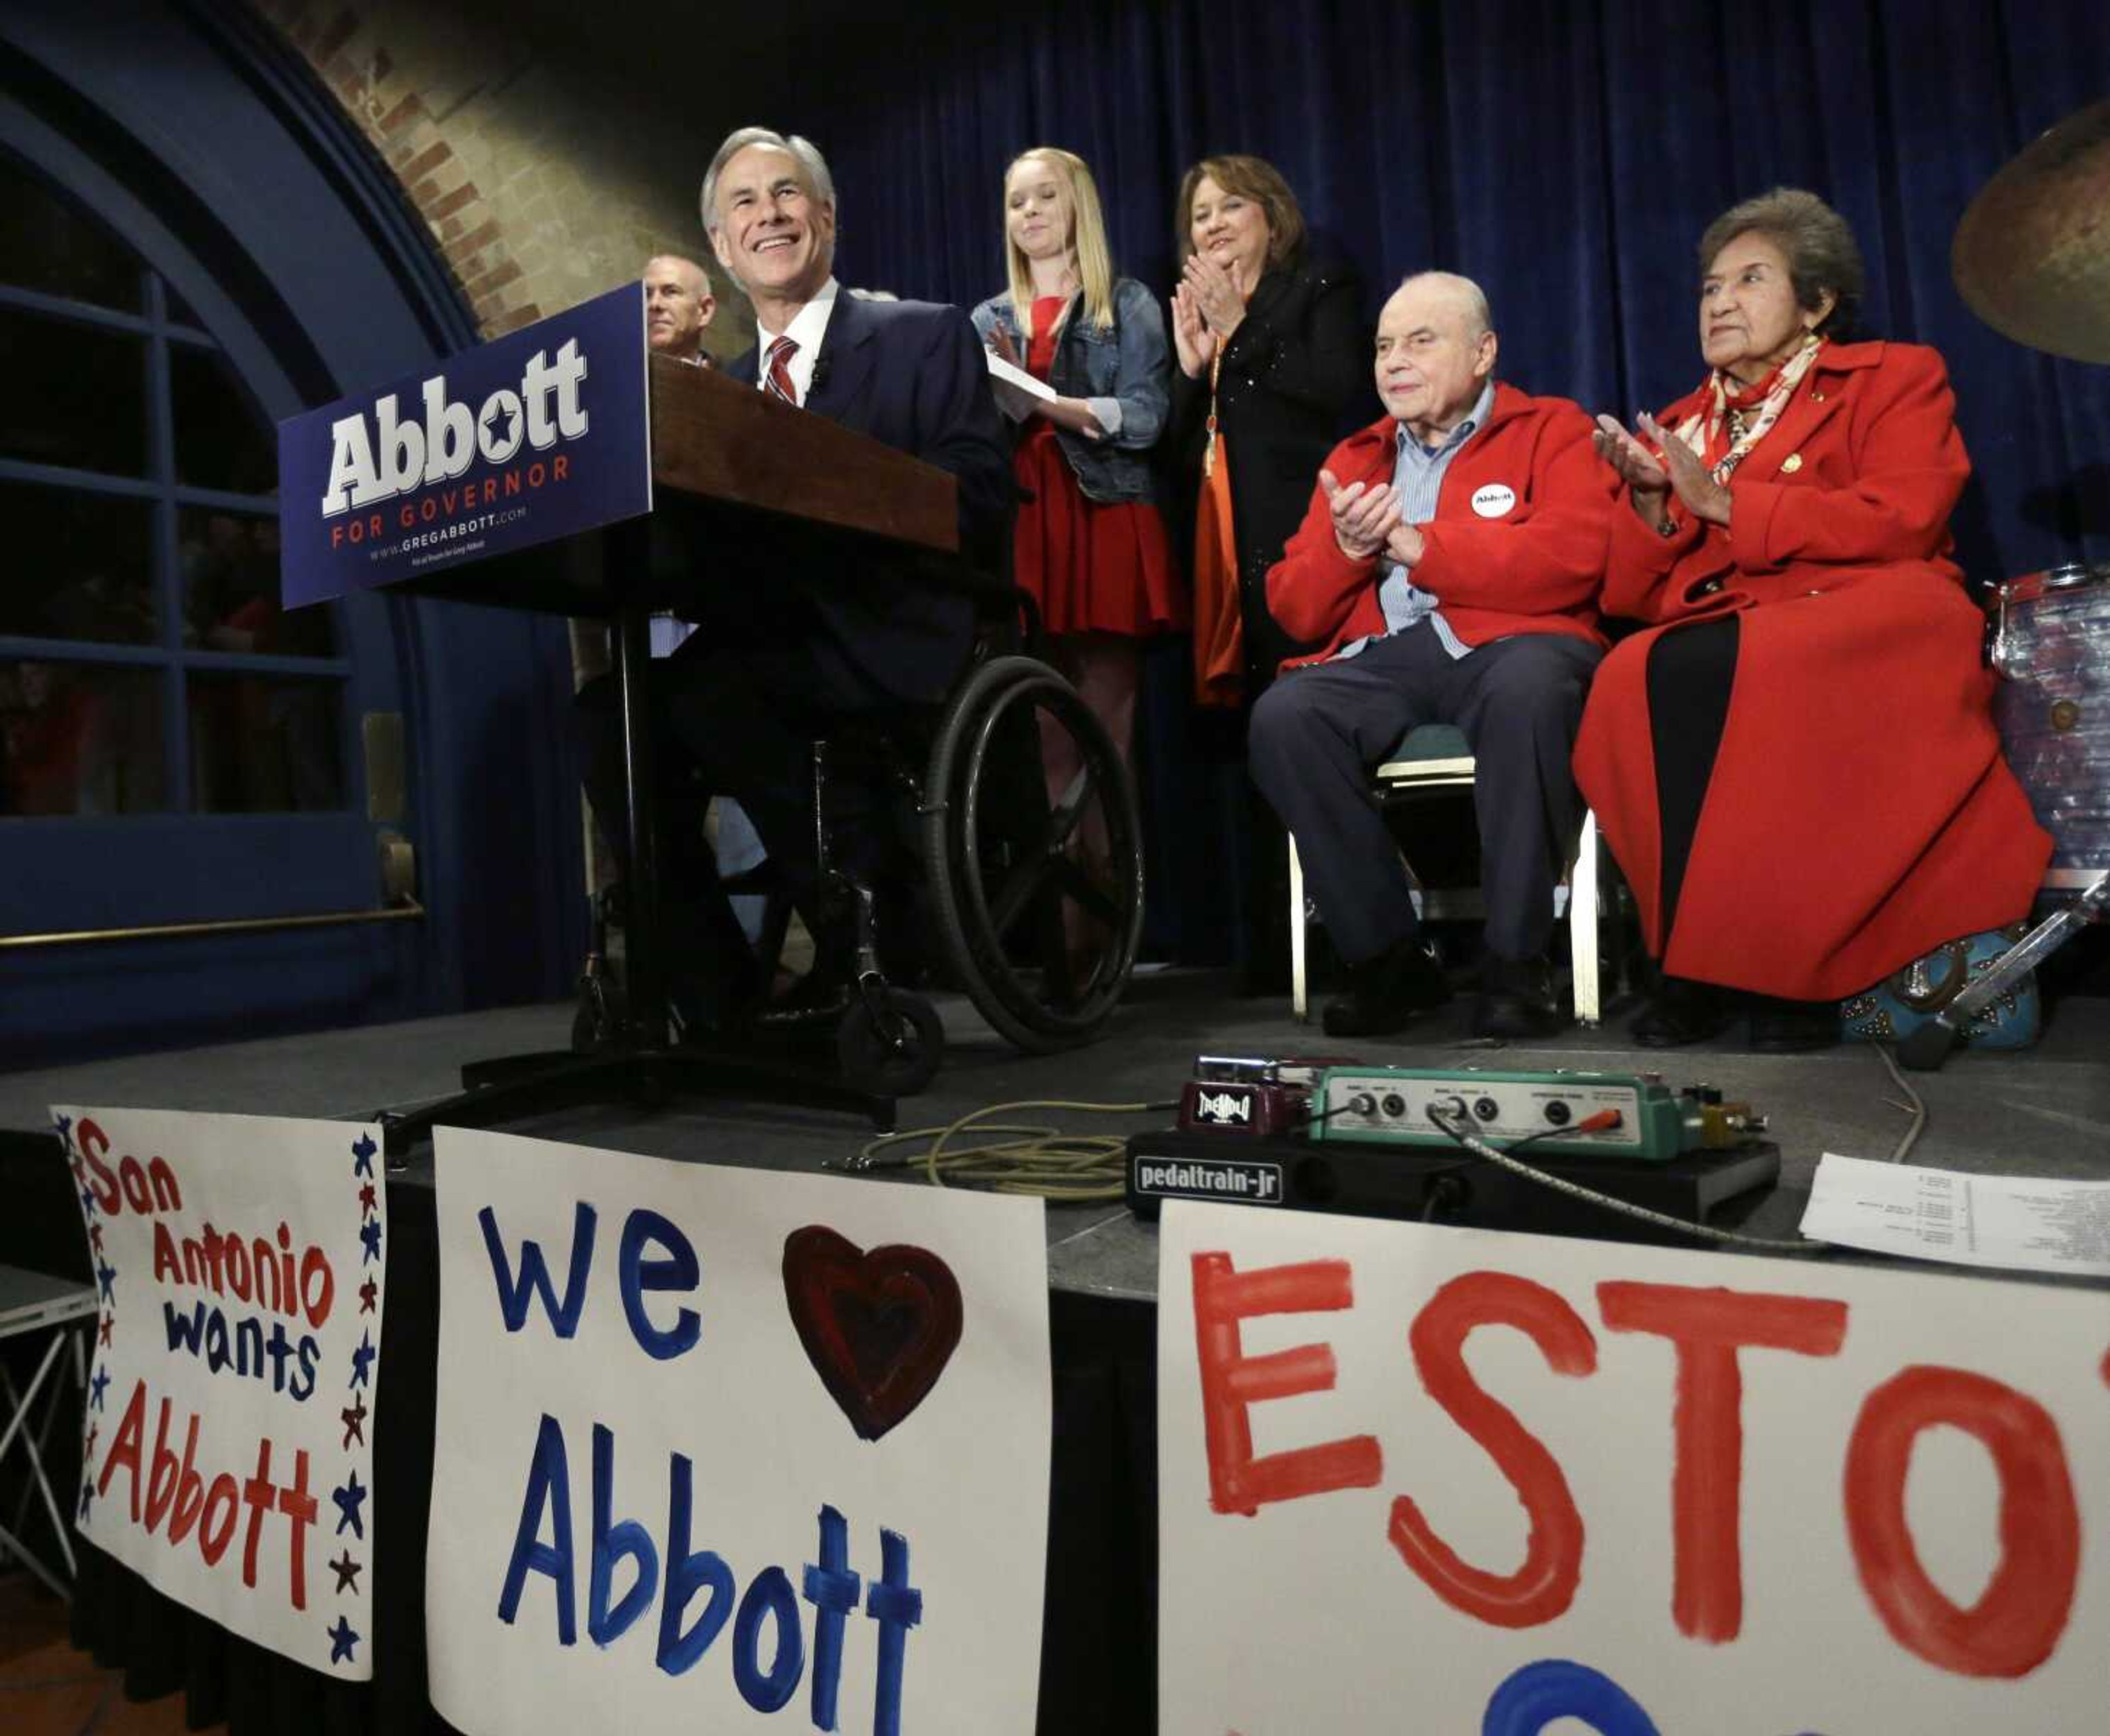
[
  {"x": 725, "y": 1450},
  {"x": 227, "y": 1443},
  {"x": 1454, "y": 1481}
]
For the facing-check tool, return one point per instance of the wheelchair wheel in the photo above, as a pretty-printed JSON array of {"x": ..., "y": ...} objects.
[
  {"x": 895, "y": 1055},
  {"x": 1039, "y": 900}
]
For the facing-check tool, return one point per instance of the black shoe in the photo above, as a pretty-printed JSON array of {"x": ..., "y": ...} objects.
[
  {"x": 1793, "y": 1027},
  {"x": 1680, "y": 1011},
  {"x": 1384, "y": 992},
  {"x": 1517, "y": 999}
]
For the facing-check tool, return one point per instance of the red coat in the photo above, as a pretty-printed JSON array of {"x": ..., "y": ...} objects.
[
  {"x": 1527, "y": 558},
  {"x": 1859, "y": 812}
]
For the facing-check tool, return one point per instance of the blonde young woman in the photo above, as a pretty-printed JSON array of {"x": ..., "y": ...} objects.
[{"x": 1090, "y": 545}]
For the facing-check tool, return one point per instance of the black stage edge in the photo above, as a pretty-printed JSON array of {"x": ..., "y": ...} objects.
[{"x": 1383, "y": 1181}]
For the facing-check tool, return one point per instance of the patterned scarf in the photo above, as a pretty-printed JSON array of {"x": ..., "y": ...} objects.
[{"x": 1724, "y": 432}]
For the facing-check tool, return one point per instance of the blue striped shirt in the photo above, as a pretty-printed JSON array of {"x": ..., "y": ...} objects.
[{"x": 1418, "y": 478}]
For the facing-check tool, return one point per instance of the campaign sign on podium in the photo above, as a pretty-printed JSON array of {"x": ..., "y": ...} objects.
[
  {"x": 1414, "y": 1478},
  {"x": 534, "y": 436},
  {"x": 227, "y": 1454}
]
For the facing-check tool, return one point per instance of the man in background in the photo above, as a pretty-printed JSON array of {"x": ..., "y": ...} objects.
[{"x": 678, "y": 305}]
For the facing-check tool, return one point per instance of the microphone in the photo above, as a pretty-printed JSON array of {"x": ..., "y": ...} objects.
[{"x": 820, "y": 374}]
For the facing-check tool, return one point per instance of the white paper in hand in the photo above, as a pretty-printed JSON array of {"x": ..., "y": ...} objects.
[{"x": 1016, "y": 391}]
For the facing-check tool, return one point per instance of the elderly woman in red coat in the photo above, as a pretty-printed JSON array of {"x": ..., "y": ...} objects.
[{"x": 1796, "y": 767}]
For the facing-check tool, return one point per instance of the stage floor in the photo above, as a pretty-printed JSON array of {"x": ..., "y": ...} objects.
[{"x": 2043, "y": 1112}]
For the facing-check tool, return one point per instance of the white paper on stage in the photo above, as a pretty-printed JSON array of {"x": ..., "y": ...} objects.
[
  {"x": 1453, "y": 1480},
  {"x": 2020, "y": 1223},
  {"x": 1016, "y": 391},
  {"x": 239, "y": 1265},
  {"x": 813, "y": 1411}
]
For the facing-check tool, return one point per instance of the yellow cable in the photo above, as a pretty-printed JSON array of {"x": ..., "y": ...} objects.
[{"x": 1044, "y": 1161}]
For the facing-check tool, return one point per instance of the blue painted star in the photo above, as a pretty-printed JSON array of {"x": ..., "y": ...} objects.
[
  {"x": 350, "y": 1498},
  {"x": 362, "y": 1157},
  {"x": 88, "y": 1200},
  {"x": 341, "y": 1638},
  {"x": 100, "y": 1381},
  {"x": 362, "y": 1360},
  {"x": 87, "y": 1495},
  {"x": 369, "y": 1237},
  {"x": 106, "y": 1274},
  {"x": 63, "y": 1124}
]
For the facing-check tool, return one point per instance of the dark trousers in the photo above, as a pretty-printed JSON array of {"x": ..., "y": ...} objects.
[
  {"x": 732, "y": 719},
  {"x": 1317, "y": 733}
]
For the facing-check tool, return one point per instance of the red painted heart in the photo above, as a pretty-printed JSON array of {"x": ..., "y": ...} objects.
[{"x": 878, "y": 1328}]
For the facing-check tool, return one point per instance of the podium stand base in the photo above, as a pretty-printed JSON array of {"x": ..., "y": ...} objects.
[{"x": 511, "y": 1086}]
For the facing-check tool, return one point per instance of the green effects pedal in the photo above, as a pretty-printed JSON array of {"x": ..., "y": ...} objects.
[{"x": 1626, "y": 1117}]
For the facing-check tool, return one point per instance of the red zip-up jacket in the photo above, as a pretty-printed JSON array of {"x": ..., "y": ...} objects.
[{"x": 1517, "y": 544}]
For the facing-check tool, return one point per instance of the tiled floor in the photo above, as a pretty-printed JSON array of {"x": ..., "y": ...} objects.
[{"x": 47, "y": 1688}]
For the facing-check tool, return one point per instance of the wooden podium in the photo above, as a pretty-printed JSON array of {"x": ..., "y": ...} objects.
[{"x": 739, "y": 482}]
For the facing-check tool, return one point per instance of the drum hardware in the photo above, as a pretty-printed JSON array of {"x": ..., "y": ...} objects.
[
  {"x": 2051, "y": 644},
  {"x": 1926, "y": 1048},
  {"x": 2031, "y": 256}
]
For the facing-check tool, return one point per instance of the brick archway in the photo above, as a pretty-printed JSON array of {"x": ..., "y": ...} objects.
[{"x": 390, "y": 109}]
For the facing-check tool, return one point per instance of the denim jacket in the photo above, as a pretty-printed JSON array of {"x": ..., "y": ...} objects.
[{"x": 1122, "y": 370}]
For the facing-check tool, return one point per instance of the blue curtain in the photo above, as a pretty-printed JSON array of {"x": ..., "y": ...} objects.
[{"x": 1566, "y": 153}]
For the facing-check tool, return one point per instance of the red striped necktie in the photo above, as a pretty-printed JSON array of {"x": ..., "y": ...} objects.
[{"x": 776, "y": 381}]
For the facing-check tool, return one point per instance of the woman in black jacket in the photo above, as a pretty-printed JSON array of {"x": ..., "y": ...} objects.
[
  {"x": 1275, "y": 361},
  {"x": 1273, "y": 366}
]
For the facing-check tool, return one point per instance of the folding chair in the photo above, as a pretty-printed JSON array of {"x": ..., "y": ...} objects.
[
  {"x": 1435, "y": 756},
  {"x": 31, "y": 1302}
]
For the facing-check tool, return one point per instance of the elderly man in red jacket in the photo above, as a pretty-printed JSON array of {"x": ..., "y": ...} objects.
[{"x": 1449, "y": 564}]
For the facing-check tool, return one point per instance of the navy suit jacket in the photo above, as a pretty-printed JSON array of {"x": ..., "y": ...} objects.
[{"x": 913, "y": 375}]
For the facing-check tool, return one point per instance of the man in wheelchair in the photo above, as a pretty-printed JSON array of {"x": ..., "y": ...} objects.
[{"x": 799, "y": 649}]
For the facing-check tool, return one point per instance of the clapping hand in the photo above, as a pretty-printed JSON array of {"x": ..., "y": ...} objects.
[
  {"x": 1195, "y": 343},
  {"x": 1650, "y": 480},
  {"x": 1406, "y": 544},
  {"x": 1218, "y": 292},
  {"x": 1364, "y": 518},
  {"x": 1704, "y": 497},
  {"x": 1634, "y": 462}
]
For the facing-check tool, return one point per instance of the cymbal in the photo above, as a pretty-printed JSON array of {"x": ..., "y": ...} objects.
[{"x": 2032, "y": 253}]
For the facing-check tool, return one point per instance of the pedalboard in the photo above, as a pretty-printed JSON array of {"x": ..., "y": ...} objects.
[
  {"x": 1633, "y": 1117},
  {"x": 1325, "y": 1133},
  {"x": 1395, "y": 1180}
]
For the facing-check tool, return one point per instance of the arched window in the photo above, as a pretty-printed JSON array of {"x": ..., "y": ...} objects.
[{"x": 144, "y": 665}]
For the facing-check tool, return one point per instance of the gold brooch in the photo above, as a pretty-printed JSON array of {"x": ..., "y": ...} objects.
[{"x": 1791, "y": 464}]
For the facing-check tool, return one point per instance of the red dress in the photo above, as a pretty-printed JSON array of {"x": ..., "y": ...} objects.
[{"x": 1093, "y": 566}]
